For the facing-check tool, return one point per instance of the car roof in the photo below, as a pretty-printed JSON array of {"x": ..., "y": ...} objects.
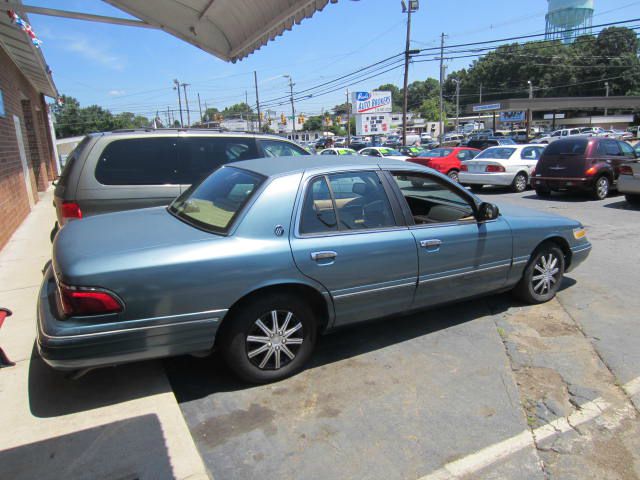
[
  {"x": 151, "y": 132},
  {"x": 277, "y": 166}
]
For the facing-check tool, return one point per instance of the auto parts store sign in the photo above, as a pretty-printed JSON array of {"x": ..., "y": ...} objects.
[{"x": 377, "y": 101}]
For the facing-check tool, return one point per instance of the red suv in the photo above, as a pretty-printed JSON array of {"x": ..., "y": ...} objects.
[
  {"x": 589, "y": 164},
  {"x": 445, "y": 160}
]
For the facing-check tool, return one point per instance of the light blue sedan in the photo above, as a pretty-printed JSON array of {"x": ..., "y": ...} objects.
[{"x": 264, "y": 255}]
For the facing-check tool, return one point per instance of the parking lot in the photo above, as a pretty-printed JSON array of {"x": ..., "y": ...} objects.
[{"x": 484, "y": 389}]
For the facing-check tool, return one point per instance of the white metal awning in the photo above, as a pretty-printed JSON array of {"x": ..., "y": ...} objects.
[
  {"x": 27, "y": 57},
  {"x": 229, "y": 29}
]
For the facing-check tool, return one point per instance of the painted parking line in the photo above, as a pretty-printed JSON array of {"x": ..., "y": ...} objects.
[{"x": 501, "y": 450}]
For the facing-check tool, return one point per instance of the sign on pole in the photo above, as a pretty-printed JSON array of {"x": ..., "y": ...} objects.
[
  {"x": 487, "y": 108},
  {"x": 376, "y": 101},
  {"x": 373, "y": 124},
  {"x": 513, "y": 117}
]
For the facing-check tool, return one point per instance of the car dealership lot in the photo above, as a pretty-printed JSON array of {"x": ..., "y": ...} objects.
[{"x": 417, "y": 396}]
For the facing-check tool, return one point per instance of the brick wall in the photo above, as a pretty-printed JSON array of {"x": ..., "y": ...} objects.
[{"x": 22, "y": 100}]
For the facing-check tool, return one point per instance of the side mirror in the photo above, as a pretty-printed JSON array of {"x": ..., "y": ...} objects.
[
  {"x": 56, "y": 180},
  {"x": 488, "y": 211}
]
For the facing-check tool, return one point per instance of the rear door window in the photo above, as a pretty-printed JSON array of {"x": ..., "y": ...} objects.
[
  {"x": 608, "y": 148},
  {"x": 531, "y": 153},
  {"x": 627, "y": 150},
  {"x": 276, "y": 148},
  {"x": 139, "y": 161},
  {"x": 199, "y": 156}
]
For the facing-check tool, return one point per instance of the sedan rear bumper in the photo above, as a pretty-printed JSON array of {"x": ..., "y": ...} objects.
[
  {"x": 629, "y": 184},
  {"x": 75, "y": 345},
  {"x": 502, "y": 179}
]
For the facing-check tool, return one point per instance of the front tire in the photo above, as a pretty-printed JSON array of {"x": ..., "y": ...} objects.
[
  {"x": 269, "y": 338},
  {"x": 633, "y": 199},
  {"x": 453, "y": 175},
  {"x": 600, "y": 188},
  {"x": 519, "y": 183},
  {"x": 543, "y": 275}
]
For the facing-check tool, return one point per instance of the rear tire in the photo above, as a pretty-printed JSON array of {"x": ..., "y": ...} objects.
[
  {"x": 543, "y": 275},
  {"x": 453, "y": 175},
  {"x": 600, "y": 188},
  {"x": 519, "y": 183},
  {"x": 633, "y": 199},
  {"x": 294, "y": 336}
]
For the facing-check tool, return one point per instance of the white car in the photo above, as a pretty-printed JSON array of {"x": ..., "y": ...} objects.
[
  {"x": 558, "y": 134},
  {"x": 385, "y": 152},
  {"x": 338, "y": 151},
  {"x": 629, "y": 180},
  {"x": 506, "y": 166}
]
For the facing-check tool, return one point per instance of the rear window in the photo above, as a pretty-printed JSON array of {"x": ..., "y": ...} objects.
[
  {"x": 497, "y": 152},
  {"x": 438, "y": 152},
  {"x": 71, "y": 160},
  {"x": 575, "y": 146},
  {"x": 214, "y": 204}
]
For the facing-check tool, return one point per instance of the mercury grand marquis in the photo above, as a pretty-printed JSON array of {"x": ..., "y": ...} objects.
[{"x": 262, "y": 256}]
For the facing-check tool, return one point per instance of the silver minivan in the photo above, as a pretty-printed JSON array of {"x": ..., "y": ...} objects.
[{"x": 125, "y": 170}]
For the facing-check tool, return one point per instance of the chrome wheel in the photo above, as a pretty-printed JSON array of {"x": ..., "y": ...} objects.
[
  {"x": 274, "y": 340},
  {"x": 546, "y": 273},
  {"x": 602, "y": 188},
  {"x": 453, "y": 175},
  {"x": 520, "y": 183}
]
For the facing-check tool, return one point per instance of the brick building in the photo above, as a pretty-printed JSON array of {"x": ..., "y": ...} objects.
[{"x": 27, "y": 153}]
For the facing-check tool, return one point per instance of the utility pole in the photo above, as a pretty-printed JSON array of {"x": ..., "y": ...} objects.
[
  {"x": 348, "y": 120},
  {"x": 480, "y": 93},
  {"x": 255, "y": 81},
  {"x": 606, "y": 86},
  {"x": 177, "y": 87},
  {"x": 408, "y": 9},
  {"x": 529, "y": 119},
  {"x": 246, "y": 102},
  {"x": 293, "y": 111},
  {"x": 457, "y": 80},
  {"x": 441, "y": 88},
  {"x": 200, "y": 108},
  {"x": 186, "y": 103},
  {"x": 168, "y": 119}
]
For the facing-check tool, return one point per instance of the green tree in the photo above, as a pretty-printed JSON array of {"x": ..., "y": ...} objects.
[
  {"x": 341, "y": 109},
  {"x": 396, "y": 95},
  {"x": 312, "y": 124},
  {"x": 430, "y": 110},
  {"x": 238, "y": 108},
  {"x": 210, "y": 114}
]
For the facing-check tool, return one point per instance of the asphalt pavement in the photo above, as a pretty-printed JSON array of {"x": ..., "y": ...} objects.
[{"x": 489, "y": 388}]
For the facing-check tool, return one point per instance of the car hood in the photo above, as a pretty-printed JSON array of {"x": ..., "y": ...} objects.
[
  {"x": 534, "y": 218},
  {"x": 102, "y": 241}
]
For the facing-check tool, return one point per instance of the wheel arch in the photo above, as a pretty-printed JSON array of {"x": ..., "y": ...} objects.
[
  {"x": 320, "y": 303},
  {"x": 562, "y": 243}
]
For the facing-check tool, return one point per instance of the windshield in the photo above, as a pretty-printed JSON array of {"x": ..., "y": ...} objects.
[
  {"x": 437, "y": 152},
  {"x": 347, "y": 151},
  {"x": 389, "y": 151},
  {"x": 496, "y": 152},
  {"x": 214, "y": 203},
  {"x": 507, "y": 141}
]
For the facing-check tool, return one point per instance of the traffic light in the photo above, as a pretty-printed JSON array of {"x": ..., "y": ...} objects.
[
  {"x": 339, "y": 119},
  {"x": 261, "y": 116},
  {"x": 283, "y": 119},
  {"x": 301, "y": 119},
  {"x": 327, "y": 120}
]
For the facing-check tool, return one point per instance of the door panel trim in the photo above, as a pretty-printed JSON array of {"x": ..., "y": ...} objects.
[
  {"x": 465, "y": 272},
  {"x": 406, "y": 282}
]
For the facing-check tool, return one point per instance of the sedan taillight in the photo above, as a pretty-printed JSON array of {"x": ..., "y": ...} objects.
[
  {"x": 494, "y": 168},
  {"x": 626, "y": 170},
  {"x": 87, "y": 301},
  {"x": 464, "y": 168}
]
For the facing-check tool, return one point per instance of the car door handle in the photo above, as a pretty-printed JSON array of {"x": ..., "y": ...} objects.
[
  {"x": 432, "y": 243},
  {"x": 327, "y": 255}
]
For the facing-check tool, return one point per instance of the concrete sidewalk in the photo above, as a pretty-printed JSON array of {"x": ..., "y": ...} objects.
[{"x": 115, "y": 423}]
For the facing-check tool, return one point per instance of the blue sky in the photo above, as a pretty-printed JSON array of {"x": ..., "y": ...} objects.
[{"x": 132, "y": 69}]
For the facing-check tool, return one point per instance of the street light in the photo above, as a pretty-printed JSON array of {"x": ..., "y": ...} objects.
[
  {"x": 413, "y": 7},
  {"x": 293, "y": 111},
  {"x": 606, "y": 86},
  {"x": 529, "y": 119},
  {"x": 176, "y": 84}
]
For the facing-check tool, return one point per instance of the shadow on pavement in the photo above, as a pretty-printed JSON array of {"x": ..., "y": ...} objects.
[
  {"x": 623, "y": 205},
  {"x": 195, "y": 378},
  {"x": 127, "y": 449},
  {"x": 52, "y": 393}
]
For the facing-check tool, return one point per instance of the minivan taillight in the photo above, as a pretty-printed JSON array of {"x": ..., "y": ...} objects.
[
  {"x": 494, "y": 168},
  {"x": 591, "y": 171},
  {"x": 71, "y": 210},
  {"x": 626, "y": 170},
  {"x": 87, "y": 301}
]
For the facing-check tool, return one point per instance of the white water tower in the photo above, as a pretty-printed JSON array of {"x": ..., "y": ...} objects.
[{"x": 568, "y": 19}]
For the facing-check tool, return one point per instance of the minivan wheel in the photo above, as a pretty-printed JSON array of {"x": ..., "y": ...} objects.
[
  {"x": 600, "y": 188},
  {"x": 543, "y": 275},
  {"x": 269, "y": 338},
  {"x": 453, "y": 175},
  {"x": 519, "y": 183}
]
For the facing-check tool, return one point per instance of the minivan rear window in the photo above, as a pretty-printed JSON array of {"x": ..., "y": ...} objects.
[{"x": 575, "y": 146}]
